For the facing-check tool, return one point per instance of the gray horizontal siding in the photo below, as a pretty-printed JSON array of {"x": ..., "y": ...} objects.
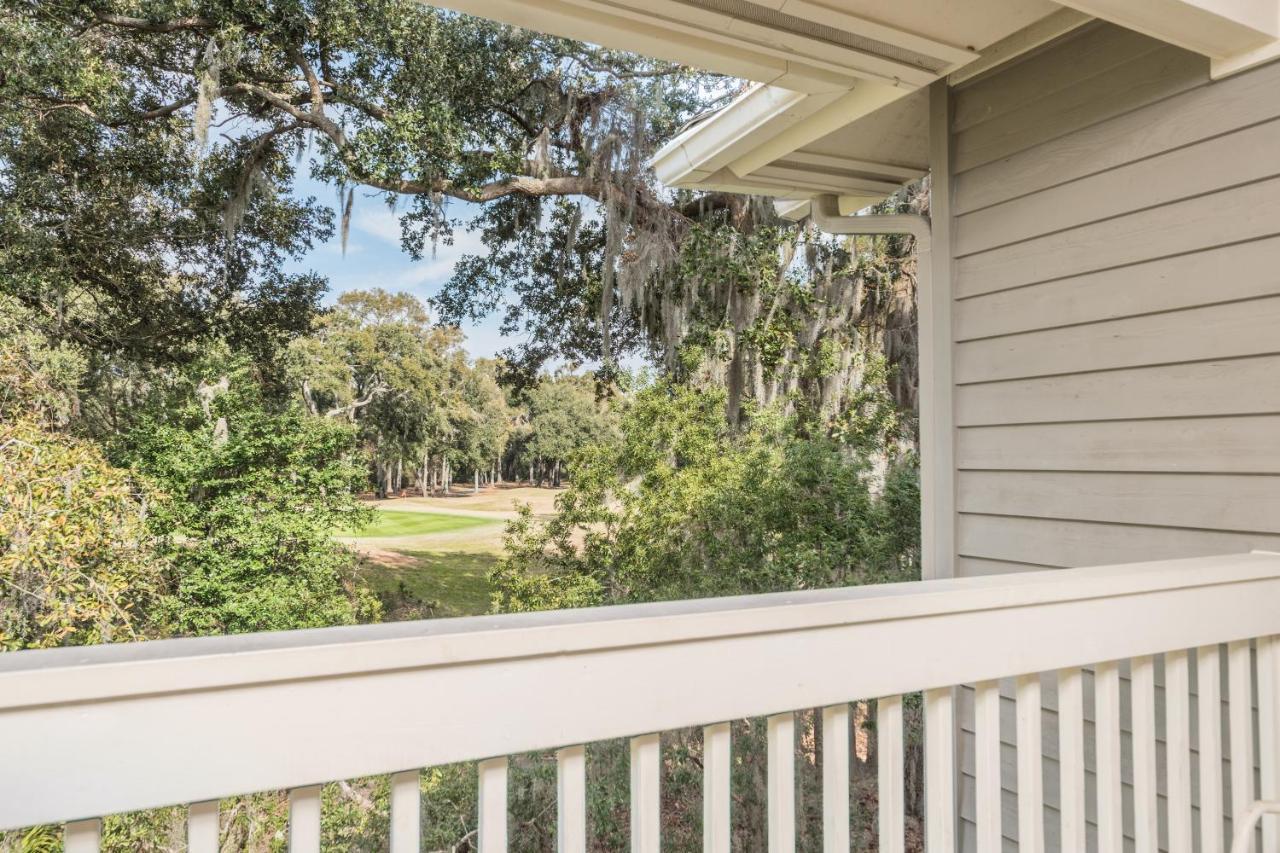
[{"x": 1116, "y": 271}]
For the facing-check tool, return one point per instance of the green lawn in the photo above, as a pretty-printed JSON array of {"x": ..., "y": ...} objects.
[
  {"x": 453, "y": 583},
  {"x": 391, "y": 522}
]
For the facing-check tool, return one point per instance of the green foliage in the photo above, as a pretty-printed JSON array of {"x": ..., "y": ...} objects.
[
  {"x": 564, "y": 417},
  {"x": 77, "y": 562},
  {"x": 255, "y": 494},
  {"x": 682, "y": 506},
  {"x": 114, "y": 229}
]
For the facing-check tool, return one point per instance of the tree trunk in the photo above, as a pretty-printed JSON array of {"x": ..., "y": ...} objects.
[
  {"x": 422, "y": 484},
  {"x": 475, "y": 490},
  {"x": 555, "y": 475}
]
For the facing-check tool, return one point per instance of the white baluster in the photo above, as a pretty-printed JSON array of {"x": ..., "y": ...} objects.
[
  {"x": 782, "y": 783},
  {"x": 202, "y": 827},
  {"x": 1142, "y": 687},
  {"x": 571, "y": 800},
  {"x": 891, "y": 785},
  {"x": 1106, "y": 694},
  {"x": 1240, "y": 721},
  {"x": 1209, "y": 704},
  {"x": 406, "y": 812},
  {"x": 492, "y": 836},
  {"x": 646, "y": 794},
  {"x": 1071, "y": 757},
  {"x": 835, "y": 779},
  {"x": 986, "y": 710},
  {"x": 1269, "y": 736},
  {"x": 717, "y": 767},
  {"x": 939, "y": 770},
  {"x": 1030, "y": 766},
  {"x": 304, "y": 820},
  {"x": 1177, "y": 726}
]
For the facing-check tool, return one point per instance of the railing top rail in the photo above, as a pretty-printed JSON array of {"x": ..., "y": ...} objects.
[
  {"x": 87, "y": 732},
  {"x": 92, "y": 673}
]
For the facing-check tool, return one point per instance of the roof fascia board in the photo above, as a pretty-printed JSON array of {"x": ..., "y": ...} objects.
[
  {"x": 1215, "y": 28},
  {"x": 708, "y": 146}
]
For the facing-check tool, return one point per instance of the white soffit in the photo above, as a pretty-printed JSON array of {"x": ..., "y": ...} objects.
[{"x": 862, "y": 143}]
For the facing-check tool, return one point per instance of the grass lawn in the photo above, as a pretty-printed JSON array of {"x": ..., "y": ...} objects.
[
  {"x": 433, "y": 584},
  {"x": 428, "y": 564},
  {"x": 392, "y": 522}
]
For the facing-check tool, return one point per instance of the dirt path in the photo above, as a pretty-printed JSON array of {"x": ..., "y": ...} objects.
[{"x": 498, "y": 504}]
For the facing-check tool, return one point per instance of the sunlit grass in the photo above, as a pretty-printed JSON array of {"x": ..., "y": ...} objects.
[{"x": 390, "y": 522}]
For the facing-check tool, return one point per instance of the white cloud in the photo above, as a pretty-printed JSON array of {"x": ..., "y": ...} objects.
[
  {"x": 377, "y": 221},
  {"x": 433, "y": 270}
]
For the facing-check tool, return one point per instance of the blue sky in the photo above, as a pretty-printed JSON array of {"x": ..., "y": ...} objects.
[{"x": 374, "y": 259}]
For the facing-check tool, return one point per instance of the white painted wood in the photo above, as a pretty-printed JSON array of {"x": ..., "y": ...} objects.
[
  {"x": 1181, "y": 390},
  {"x": 1238, "y": 329},
  {"x": 782, "y": 783},
  {"x": 304, "y": 819},
  {"x": 717, "y": 798},
  {"x": 492, "y": 819},
  {"x": 342, "y": 700},
  {"x": 1021, "y": 541},
  {"x": 1207, "y": 501},
  {"x": 889, "y": 751},
  {"x": 406, "y": 811},
  {"x": 1268, "y": 659},
  {"x": 1240, "y": 726},
  {"x": 1177, "y": 715},
  {"x": 1071, "y": 758},
  {"x": 1146, "y": 827},
  {"x": 646, "y": 793},
  {"x": 986, "y": 709},
  {"x": 571, "y": 799},
  {"x": 82, "y": 836},
  {"x": 1106, "y": 697},
  {"x": 1030, "y": 768},
  {"x": 835, "y": 778},
  {"x": 202, "y": 827},
  {"x": 1209, "y": 747},
  {"x": 939, "y": 769}
]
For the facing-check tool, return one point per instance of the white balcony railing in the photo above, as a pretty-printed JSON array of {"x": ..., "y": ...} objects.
[{"x": 86, "y": 732}]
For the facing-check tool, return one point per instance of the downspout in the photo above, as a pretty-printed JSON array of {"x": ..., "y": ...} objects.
[
  {"x": 826, "y": 215},
  {"x": 825, "y": 211}
]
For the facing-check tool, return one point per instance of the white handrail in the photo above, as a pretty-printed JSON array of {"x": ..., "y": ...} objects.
[{"x": 93, "y": 731}]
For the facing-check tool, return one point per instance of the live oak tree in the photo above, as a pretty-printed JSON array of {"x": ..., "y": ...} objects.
[{"x": 211, "y": 108}]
